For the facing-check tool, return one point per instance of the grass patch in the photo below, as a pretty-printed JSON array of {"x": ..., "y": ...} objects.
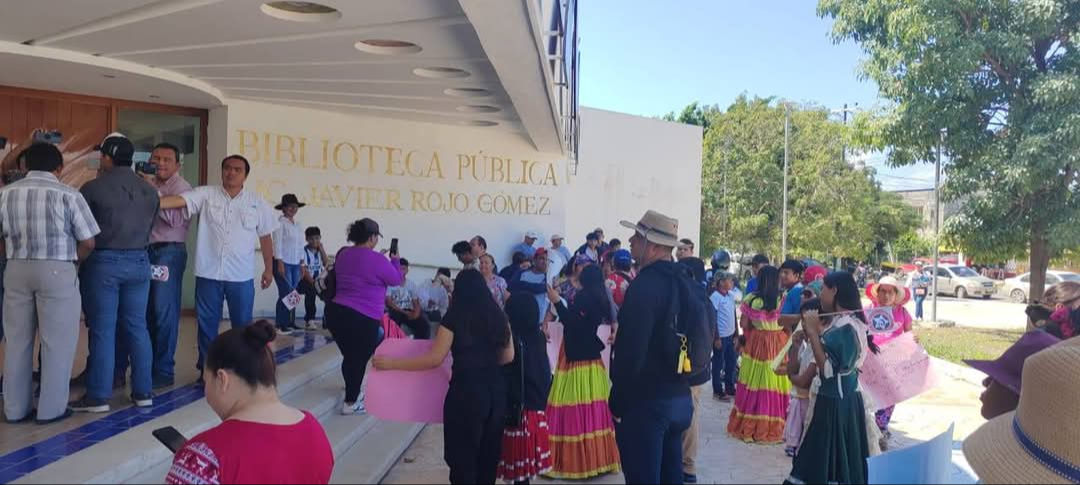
[{"x": 959, "y": 343}]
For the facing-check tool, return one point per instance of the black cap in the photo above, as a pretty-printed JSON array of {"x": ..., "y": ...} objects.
[
  {"x": 117, "y": 147},
  {"x": 371, "y": 226}
]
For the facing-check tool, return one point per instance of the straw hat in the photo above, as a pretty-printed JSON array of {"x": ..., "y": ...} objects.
[
  {"x": 656, "y": 228},
  {"x": 905, "y": 292},
  {"x": 1038, "y": 442}
]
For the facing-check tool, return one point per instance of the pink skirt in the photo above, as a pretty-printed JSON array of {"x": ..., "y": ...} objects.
[{"x": 796, "y": 421}]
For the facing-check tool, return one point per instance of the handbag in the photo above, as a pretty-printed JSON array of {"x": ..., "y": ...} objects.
[{"x": 515, "y": 409}]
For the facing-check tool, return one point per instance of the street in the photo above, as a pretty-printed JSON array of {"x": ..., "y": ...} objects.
[{"x": 997, "y": 313}]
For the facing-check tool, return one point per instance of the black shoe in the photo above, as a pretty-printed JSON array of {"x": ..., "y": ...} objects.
[
  {"x": 143, "y": 400},
  {"x": 688, "y": 478},
  {"x": 90, "y": 405},
  {"x": 159, "y": 384},
  {"x": 67, "y": 414}
]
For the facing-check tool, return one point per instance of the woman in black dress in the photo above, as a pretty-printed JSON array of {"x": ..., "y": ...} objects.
[{"x": 476, "y": 332}]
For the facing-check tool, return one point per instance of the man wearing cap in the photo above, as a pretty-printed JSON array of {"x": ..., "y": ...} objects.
[
  {"x": 526, "y": 247},
  {"x": 234, "y": 218},
  {"x": 116, "y": 277},
  {"x": 557, "y": 246},
  {"x": 650, "y": 401},
  {"x": 289, "y": 244},
  {"x": 168, "y": 260},
  {"x": 41, "y": 297}
]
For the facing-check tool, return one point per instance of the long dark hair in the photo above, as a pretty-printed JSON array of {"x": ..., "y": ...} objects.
[
  {"x": 523, "y": 312},
  {"x": 848, "y": 298},
  {"x": 473, "y": 310},
  {"x": 593, "y": 294},
  {"x": 768, "y": 287}
]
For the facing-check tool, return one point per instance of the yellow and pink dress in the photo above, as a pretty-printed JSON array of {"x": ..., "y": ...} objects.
[{"x": 761, "y": 395}]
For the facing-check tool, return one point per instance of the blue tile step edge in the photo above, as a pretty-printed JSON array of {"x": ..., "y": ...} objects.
[
  {"x": 130, "y": 453},
  {"x": 322, "y": 397}
]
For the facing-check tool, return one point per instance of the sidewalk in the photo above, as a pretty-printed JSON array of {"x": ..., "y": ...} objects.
[{"x": 722, "y": 459}]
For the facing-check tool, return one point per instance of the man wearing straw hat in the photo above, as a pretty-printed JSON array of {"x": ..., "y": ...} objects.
[
  {"x": 650, "y": 401},
  {"x": 1038, "y": 442}
]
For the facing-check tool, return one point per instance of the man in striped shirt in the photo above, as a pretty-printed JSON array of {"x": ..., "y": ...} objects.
[{"x": 46, "y": 227}]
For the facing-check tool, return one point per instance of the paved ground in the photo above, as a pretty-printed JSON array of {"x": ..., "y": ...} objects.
[
  {"x": 725, "y": 460},
  {"x": 997, "y": 313}
]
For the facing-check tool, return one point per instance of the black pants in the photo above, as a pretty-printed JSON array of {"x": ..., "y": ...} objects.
[
  {"x": 474, "y": 415},
  {"x": 357, "y": 336},
  {"x": 420, "y": 327},
  {"x": 308, "y": 291}
]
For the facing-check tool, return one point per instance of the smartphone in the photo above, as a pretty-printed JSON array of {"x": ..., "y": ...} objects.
[
  {"x": 171, "y": 438},
  {"x": 393, "y": 247}
]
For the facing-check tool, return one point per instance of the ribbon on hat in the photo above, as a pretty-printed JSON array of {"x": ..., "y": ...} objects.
[{"x": 1045, "y": 457}]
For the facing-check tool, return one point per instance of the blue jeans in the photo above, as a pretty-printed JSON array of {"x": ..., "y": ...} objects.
[
  {"x": 163, "y": 313},
  {"x": 116, "y": 287},
  {"x": 918, "y": 307},
  {"x": 724, "y": 361},
  {"x": 286, "y": 283},
  {"x": 650, "y": 439},
  {"x": 209, "y": 296}
]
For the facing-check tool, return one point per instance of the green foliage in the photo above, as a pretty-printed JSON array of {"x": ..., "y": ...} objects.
[
  {"x": 834, "y": 211},
  {"x": 911, "y": 245},
  {"x": 1002, "y": 79}
]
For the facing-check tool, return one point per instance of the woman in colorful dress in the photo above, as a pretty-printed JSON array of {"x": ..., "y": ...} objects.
[
  {"x": 581, "y": 426},
  {"x": 889, "y": 292},
  {"x": 761, "y": 395},
  {"x": 495, "y": 283},
  {"x": 835, "y": 444},
  {"x": 526, "y": 448}
]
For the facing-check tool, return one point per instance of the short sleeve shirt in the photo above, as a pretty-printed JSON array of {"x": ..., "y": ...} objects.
[
  {"x": 403, "y": 295},
  {"x": 793, "y": 300},
  {"x": 229, "y": 230},
  {"x": 43, "y": 219}
]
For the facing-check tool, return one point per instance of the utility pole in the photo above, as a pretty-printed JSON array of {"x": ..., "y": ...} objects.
[
  {"x": 787, "y": 154},
  {"x": 727, "y": 167},
  {"x": 937, "y": 225}
]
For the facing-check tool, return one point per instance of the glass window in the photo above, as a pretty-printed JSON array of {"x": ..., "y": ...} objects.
[
  {"x": 963, "y": 271},
  {"x": 1026, "y": 278},
  {"x": 148, "y": 128},
  {"x": 1052, "y": 279},
  {"x": 1070, "y": 277}
]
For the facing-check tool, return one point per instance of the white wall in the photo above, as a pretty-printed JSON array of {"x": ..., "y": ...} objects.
[
  {"x": 346, "y": 168},
  {"x": 630, "y": 164}
]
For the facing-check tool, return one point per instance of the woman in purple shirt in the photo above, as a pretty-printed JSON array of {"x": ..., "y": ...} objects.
[{"x": 354, "y": 317}]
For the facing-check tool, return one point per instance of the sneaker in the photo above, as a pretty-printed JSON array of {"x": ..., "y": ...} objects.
[
  {"x": 352, "y": 409},
  {"x": 91, "y": 405},
  {"x": 689, "y": 478},
  {"x": 159, "y": 384},
  {"x": 312, "y": 326},
  {"x": 790, "y": 451},
  {"x": 143, "y": 400}
]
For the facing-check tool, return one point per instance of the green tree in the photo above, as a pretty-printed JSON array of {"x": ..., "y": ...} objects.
[
  {"x": 833, "y": 209},
  {"x": 997, "y": 84}
]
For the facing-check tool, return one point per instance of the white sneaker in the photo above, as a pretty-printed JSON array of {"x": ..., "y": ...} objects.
[
  {"x": 353, "y": 409},
  {"x": 312, "y": 326}
]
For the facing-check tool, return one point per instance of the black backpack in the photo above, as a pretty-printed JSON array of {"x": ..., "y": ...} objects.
[{"x": 693, "y": 317}]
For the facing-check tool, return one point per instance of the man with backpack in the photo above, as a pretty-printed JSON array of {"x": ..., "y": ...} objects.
[
  {"x": 695, "y": 269},
  {"x": 661, "y": 327}
]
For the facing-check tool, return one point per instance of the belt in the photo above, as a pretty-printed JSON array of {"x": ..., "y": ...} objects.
[{"x": 165, "y": 244}]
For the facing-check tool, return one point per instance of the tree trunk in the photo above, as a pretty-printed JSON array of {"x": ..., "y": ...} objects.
[{"x": 1040, "y": 260}]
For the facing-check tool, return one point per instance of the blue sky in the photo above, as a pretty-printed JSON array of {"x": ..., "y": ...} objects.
[{"x": 647, "y": 58}]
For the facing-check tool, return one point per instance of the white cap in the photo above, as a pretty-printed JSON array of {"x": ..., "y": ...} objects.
[
  {"x": 532, "y": 235},
  {"x": 555, "y": 237}
]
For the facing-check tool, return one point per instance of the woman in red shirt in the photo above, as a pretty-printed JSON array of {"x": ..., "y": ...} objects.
[{"x": 260, "y": 439}]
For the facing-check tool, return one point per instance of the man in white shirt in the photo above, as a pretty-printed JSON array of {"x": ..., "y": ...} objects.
[
  {"x": 404, "y": 304},
  {"x": 233, "y": 219},
  {"x": 289, "y": 241},
  {"x": 724, "y": 357}
]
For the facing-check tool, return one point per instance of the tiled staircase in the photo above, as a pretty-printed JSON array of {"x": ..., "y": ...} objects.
[{"x": 365, "y": 448}]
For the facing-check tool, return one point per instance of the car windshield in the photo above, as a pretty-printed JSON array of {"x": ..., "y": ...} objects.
[
  {"x": 1069, "y": 277},
  {"x": 963, "y": 271}
]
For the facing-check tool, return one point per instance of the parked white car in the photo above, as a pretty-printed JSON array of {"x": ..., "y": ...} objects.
[
  {"x": 1017, "y": 288},
  {"x": 962, "y": 282}
]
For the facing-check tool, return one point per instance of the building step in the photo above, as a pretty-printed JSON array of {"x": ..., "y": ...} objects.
[
  {"x": 311, "y": 382},
  {"x": 372, "y": 457}
]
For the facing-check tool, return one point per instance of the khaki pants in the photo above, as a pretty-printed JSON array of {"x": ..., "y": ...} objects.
[
  {"x": 40, "y": 297},
  {"x": 689, "y": 439}
]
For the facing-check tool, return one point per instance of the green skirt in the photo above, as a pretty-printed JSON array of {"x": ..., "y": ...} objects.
[{"x": 834, "y": 447}]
